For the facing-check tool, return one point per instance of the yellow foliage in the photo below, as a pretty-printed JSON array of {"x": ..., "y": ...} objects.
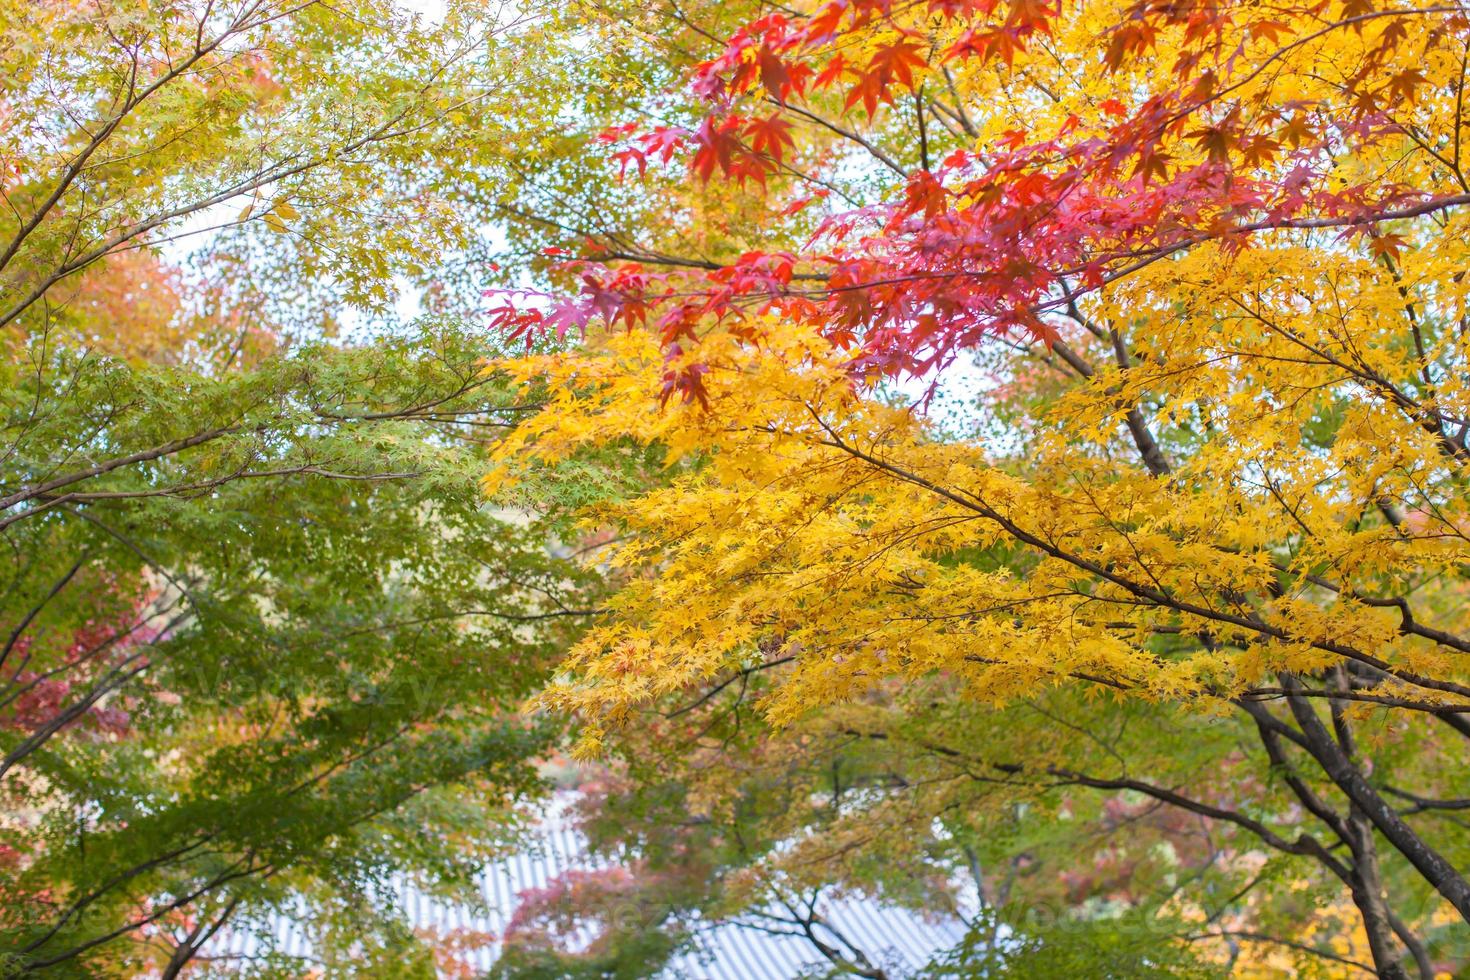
[{"x": 805, "y": 519}]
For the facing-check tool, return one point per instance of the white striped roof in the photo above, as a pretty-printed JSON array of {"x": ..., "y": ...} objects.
[{"x": 897, "y": 939}]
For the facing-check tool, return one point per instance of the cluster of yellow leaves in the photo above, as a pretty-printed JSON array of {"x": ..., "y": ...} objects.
[
  {"x": 808, "y": 522},
  {"x": 1308, "y": 391}
]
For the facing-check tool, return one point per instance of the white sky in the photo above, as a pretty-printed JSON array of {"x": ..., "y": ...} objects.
[{"x": 432, "y": 9}]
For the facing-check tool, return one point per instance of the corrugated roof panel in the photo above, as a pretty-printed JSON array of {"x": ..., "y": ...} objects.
[{"x": 900, "y": 940}]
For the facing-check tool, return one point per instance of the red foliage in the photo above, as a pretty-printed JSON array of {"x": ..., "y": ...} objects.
[
  {"x": 567, "y": 912},
  {"x": 991, "y": 243},
  {"x": 42, "y": 685}
]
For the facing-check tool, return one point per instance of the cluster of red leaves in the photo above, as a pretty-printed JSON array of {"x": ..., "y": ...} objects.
[
  {"x": 37, "y": 694},
  {"x": 991, "y": 242},
  {"x": 1129, "y": 832},
  {"x": 561, "y": 914}
]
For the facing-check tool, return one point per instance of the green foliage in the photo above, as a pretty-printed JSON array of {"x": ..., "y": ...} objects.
[
  {"x": 635, "y": 956},
  {"x": 1136, "y": 945},
  {"x": 298, "y": 636},
  {"x": 316, "y": 161},
  {"x": 263, "y": 646}
]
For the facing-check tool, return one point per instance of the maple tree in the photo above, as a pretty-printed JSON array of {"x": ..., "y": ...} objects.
[
  {"x": 262, "y": 647},
  {"x": 1010, "y": 227},
  {"x": 1213, "y": 255},
  {"x": 267, "y": 167},
  {"x": 1170, "y": 627},
  {"x": 259, "y": 635}
]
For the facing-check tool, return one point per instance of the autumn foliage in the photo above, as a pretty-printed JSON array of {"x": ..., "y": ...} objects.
[
  {"x": 1002, "y": 458},
  {"x": 1212, "y": 124},
  {"x": 1214, "y": 255}
]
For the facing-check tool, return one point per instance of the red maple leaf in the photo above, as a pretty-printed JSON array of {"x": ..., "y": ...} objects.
[{"x": 770, "y": 135}]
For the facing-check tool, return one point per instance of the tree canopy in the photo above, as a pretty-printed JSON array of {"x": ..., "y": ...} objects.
[
  {"x": 263, "y": 644},
  {"x": 1200, "y": 544},
  {"x": 1003, "y": 458}
]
